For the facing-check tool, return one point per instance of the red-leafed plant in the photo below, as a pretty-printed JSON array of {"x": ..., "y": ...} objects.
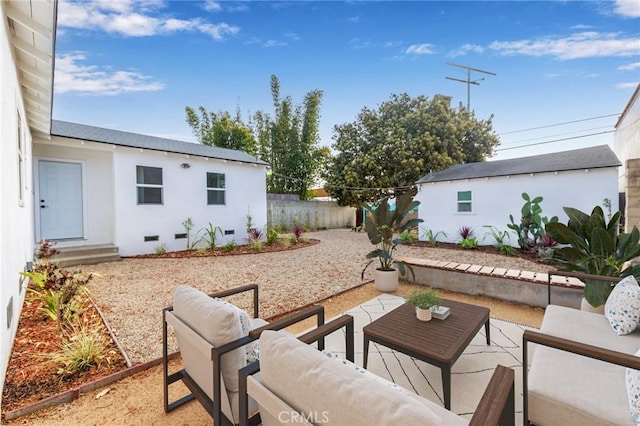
[{"x": 465, "y": 232}]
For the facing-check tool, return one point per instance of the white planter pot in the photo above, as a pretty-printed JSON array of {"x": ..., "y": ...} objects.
[
  {"x": 423, "y": 314},
  {"x": 586, "y": 306},
  {"x": 386, "y": 280}
]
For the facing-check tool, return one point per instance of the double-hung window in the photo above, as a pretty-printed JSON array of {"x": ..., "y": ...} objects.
[
  {"x": 464, "y": 202},
  {"x": 149, "y": 184},
  {"x": 215, "y": 188}
]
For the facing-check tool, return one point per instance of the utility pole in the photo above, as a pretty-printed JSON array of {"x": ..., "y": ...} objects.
[{"x": 468, "y": 81}]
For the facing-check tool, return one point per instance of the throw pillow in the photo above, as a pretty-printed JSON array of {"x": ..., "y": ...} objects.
[
  {"x": 632, "y": 378},
  {"x": 622, "y": 308},
  {"x": 252, "y": 349}
]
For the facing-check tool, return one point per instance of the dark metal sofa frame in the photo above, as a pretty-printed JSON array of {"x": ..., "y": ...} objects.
[{"x": 214, "y": 407}]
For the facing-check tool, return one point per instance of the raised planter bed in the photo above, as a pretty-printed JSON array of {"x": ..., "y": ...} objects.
[{"x": 526, "y": 287}]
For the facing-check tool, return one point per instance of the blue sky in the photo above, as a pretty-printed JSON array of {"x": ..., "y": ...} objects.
[{"x": 134, "y": 65}]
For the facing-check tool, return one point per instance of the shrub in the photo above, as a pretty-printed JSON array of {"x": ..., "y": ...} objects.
[
  {"x": 254, "y": 234},
  {"x": 230, "y": 246},
  {"x": 297, "y": 233},
  {"x": 161, "y": 249},
  {"x": 432, "y": 237},
  {"x": 593, "y": 246},
  {"x": 465, "y": 232},
  {"x": 500, "y": 237},
  {"x": 507, "y": 250},
  {"x": 210, "y": 235},
  {"x": 58, "y": 289},
  {"x": 86, "y": 347},
  {"x": 187, "y": 224},
  {"x": 272, "y": 236},
  {"x": 531, "y": 221},
  {"x": 407, "y": 237},
  {"x": 469, "y": 243}
]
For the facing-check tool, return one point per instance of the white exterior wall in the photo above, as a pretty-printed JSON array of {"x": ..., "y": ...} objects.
[
  {"x": 97, "y": 186},
  {"x": 494, "y": 199},
  {"x": 626, "y": 139},
  {"x": 16, "y": 220},
  {"x": 184, "y": 195}
]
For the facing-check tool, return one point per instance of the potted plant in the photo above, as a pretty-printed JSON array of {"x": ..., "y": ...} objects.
[
  {"x": 593, "y": 246},
  {"x": 423, "y": 301},
  {"x": 381, "y": 223}
]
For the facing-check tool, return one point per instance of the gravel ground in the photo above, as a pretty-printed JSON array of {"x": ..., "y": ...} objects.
[{"x": 132, "y": 293}]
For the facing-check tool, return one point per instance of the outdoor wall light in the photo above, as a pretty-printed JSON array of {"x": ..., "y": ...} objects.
[{"x": 185, "y": 165}]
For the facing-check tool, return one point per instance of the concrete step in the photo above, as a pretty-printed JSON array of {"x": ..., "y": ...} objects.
[{"x": 86, "y": 255}]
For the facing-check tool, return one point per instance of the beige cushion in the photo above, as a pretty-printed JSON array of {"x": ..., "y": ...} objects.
[
  {"x": 218, "y": 323},
  {"x": 316, "y": 385},
  {"x": 565, "y": 388}
]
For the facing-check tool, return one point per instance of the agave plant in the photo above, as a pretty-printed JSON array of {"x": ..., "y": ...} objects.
[
  {"x": 594, "y": 247},
  {"x": 381, "y": 224}
]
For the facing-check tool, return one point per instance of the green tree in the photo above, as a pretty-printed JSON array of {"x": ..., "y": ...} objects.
[
  {"x": 288, "y": 141},
  {"x": 221, "y": 129},
  {"x": 401, "y": 141}
]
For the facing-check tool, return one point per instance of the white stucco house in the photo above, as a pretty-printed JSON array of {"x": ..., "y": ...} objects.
[
  {"x": 626, "y": 144},
  {"x": 486, "y": 193},
  {"x": 87, "y": 186},
  {"x": 97, "y": 186},
  {"x": 27, "y": 40}
]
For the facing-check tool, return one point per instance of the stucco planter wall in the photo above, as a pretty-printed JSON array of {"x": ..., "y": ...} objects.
[{"x": 532, "y": 293}]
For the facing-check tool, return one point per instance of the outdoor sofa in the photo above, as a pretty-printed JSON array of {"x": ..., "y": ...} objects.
[
  {"x": 583, "y": 365},
  {"x": 299, "y": 384}
]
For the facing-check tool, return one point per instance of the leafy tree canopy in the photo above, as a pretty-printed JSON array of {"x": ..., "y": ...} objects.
[
  {"x": 288, "y": 139},
  {"x": 401, "y": 141},
  {"x": 221, "y": 129}
]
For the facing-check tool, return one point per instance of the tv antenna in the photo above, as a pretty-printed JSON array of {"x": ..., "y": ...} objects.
[{"x": 468, "y": 81}]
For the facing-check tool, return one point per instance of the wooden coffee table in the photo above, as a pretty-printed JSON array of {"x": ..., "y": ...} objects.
[{"x": 437, "y": 342}]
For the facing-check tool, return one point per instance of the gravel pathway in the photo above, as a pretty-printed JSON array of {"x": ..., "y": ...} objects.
[{"x": 132, "y": 293}]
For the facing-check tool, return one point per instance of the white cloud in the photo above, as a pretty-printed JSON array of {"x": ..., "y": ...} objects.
[
  {"x": 212, "y": 6},
  {"x": 580, "y": 27},
  {"x": 628, "y": 8},
  {"x": 72, "y": 76},
  {"x": 464, "y": 49},
  {"x": 628, "y": 85},
  {"x": 292, "y": 36},
  {"x": 629, "y": 67},
  {"x": 420, "y": 49},
  {"x": 132, "y": 18},
  {"x": 579, "y": 45},
  {"x": 354, "y": 19},
  {"x": 357, "y": 43},
  {"x": 273, "y": 43}
]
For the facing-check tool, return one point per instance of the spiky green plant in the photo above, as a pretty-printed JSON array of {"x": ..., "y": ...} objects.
[{"x": 381, "y": 224}]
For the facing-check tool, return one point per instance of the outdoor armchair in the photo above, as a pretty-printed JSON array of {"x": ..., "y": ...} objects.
[{"x": 215, "y": 339}]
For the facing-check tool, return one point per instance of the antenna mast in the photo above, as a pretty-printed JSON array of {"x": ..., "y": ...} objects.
[{"x": 468, "y": 81}]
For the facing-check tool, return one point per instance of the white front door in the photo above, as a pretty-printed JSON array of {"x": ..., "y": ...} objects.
[{"x": 60, "y": 200}]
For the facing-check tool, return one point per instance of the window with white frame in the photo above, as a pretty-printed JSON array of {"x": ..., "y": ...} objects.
[
  {"x": 464, "y": 201},
  {"x": 149, "y": 184},
  {"x": 21, "y": 162},
  {"x": 215, "y": 188}
]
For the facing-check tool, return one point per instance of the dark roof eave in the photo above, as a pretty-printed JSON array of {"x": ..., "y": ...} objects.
[
  {"x": 257, "y": 162},
  {"x": 512, "y": 174}
]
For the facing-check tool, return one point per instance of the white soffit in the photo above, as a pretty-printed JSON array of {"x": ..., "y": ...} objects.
[{"x": 32, "y": 25}]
